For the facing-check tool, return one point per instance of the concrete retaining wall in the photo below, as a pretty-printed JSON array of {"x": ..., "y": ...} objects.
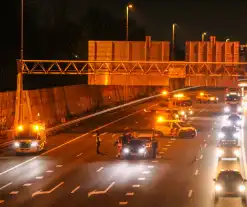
[{"x": 56, "y": 105}]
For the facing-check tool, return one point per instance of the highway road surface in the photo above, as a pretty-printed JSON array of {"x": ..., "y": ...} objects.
[{"x": 70, "y": 173}]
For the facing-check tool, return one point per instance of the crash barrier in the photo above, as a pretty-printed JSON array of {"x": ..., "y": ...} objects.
[{"x": 72, "y": 123}]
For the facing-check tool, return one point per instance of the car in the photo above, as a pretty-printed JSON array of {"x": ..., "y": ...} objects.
[
  {"x": 175, "y": 128},
  {"x": 228, "y": 149},
  {"x": 229, "y": 133},
  {"x": 230, "y": 183},
  {"x": 142, "y": 146},
  {"x": 234, "y": 120},
  {"x": 233, "y": 98},
  {"x": 173, "y": 113},
  {"x": 233, "y": 108},
  {"x": 206, "y": 98}
]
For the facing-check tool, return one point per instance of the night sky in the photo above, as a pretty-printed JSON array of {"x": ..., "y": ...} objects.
[{"x": 224, "y": 19}]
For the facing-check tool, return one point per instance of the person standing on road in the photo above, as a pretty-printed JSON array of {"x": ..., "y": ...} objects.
[{"x": 98, "y": 142}]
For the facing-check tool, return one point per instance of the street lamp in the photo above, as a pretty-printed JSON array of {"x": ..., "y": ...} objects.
[
  {"x": 228, "y": 39},
  {"x": 130, "y": 6},
  {"x": 173, "y": 40},
  {"x": 203, "y": 35}
]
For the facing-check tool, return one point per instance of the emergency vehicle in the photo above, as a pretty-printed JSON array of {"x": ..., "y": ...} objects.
[{"x": 204, "y": 97}]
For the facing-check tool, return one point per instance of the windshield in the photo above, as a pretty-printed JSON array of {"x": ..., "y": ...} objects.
[
  {"x": 233, "y": 98},
  {"x": 136, "y": 142},
  {"x": 183, "y": 124},
  {"x": 27, "y": 135},
  {"x": 228, "y": 144},
  {"x": 229, "y": 177},
  {"x": 234, "y": 117}
]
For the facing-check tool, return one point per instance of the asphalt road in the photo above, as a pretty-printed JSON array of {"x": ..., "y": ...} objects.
[{"x": 70, "y": 173}]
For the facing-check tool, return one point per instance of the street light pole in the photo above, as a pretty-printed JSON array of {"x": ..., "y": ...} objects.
[
  {"x": 203, "y": 35},
  {"x": 173, "y": 41},
  {"x": 22, "y": 22},
  {"x": 130, "y": 6}
]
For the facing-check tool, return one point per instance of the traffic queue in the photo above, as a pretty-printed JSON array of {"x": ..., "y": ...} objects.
[
  {"x": 170, "y": 117},
  {"x": 230, "y": 182}
]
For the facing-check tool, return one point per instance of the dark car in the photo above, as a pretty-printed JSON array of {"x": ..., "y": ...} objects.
[
  {"x": 230, "y": 183},
  {"x": 229, "y": 132},
  {"x": 234, "y": 120},
  {"x": 143, "y": 147}
]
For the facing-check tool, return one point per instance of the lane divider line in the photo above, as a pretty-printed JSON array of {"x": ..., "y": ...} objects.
[
  {"x": 47, "y": 192},
  {"x": 196, "y": 172},
  {"x": 6, "y": 186},
  {"x": 145, "y": 172},
  {"x": 130, "y": 194},
  {"x": 201, "y": 157},
  {"x": 101, "y": 192},
  {"x": 49, "y": 171},
  {"x": 58, "y": 166},
  {"x": 100, "y": 169},
  {"x": 123, "y": 203},
  {"x": 27, "y": 184},
  {"x": 14, "y": 193},
  {"x": 142, "y": 178},
  {"x": 79, "y": 155},
  {"x": 1, "y": 201},
  {"x": 136, "y": 186},
  {"x": 39, "y": 177},
  {"x": 190, "y": 193},
  {"x": 150, "y": 166},
  {"x": 76, "y": 189}
]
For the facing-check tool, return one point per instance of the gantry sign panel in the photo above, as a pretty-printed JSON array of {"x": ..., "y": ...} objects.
[{"x": 68, "y": 67}]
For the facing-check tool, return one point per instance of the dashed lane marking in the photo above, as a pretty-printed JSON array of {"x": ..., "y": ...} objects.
[
  {"x": 145, "y": 172},
  {"x": 136, "y": 186},
  {"x": 123, "y": 203},
  {"x": 209, "y": 135},
  {"x": 27, "y": 184},
  {"x": 205, "y": 145},
  {"x": 190, "y": 193},
  {"x": 113, "y": 135},
  {"x": 155, "y": 161},
  {"x": 76, "y": 189},
  {"x": 47, "y": 192},
  {"x": 170, "y": 142},
  {"x": 150, "y": 166},
  {"x": 196, "y": 172},
  {"x": 161, "y": 152},
  {"x": 173, "y": 139},
  {"x": 100, "y": 169},
  {"x": 1, "y": 201},
  {"x": 49, "y": 171},
  {"x": 101, "y": 192},
  {"x": 5, "y": 186},
  {"x": 79, "y": 155},
  {"x": 168, "y": 145},
  {"x": 158, "y": 157},
  {"x": 105, "y": 133},
  {"x": 39, "y": 177},
  {"x": 201, "y": 157},
  {"x": 130, "y": 194},
  {"x": 14, "y": 193},
  {"x": 59, "y": 166},
  {"x": 142, "y": 178}
]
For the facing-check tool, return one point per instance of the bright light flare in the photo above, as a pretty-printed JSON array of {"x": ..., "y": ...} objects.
[
  {"x": 218, "y": 187},
  {"x": 20, "y": 128},
  {"x": 160, "y": 119},
  {"x": 164, "y": 93},
  {"x": 180, "y": 95}
]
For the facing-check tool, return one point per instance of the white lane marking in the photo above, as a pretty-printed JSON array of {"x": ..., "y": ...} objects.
[
  {"x": 76, "y": 189},
  {"x": 1, "y": 201},
  {"x": 165, "y": 149},
  {"x": 205, "y": 145},
  {"x": 39, "y": 177},
  {"x": 14, "y": 193},
  {"x": 84, "y": 135},
  {"x": 141, "y": 178},
  {"x": 168, "y": 145},
  {"x": 145, "y": 172},
  {"x": 150, "y": 166},
  {"x": 158, "y": 157},
  {"x": 196, "y": 172},
  {"x": 5, "y": 186},
  {"x": 173, "y": 139},
  {"x": 123, "y": 203},
  {"x": 130, "y": 194},
  {"x": 204, "y": 140},
  {"x": 59, "y": 166},
  {"x": 79, "y": 155},
  {"x": 47, "y": 192},
  {"x": 113, "y": 135},
  {"x": 170, "y": 142},
  {"x": 49, "y": 171},
  {"x": 71, "y": 141},
  {"x": 27, "y": 184},
  {"x": 126, "y": 128},
  {"x": 101, "y": 192},
  {"x": 161, "y": 152},
  {"x": 209, "y": 135},
  {"x": 94, "y": 135},
  {"x": 105, "y": 133},
  {"x": 201, "y": 157},
  {"x": 190, "y": 193},
  {"x": 155, "y": 161},
  {"x": 136, "y": 186},
  {"x": 100, "y": 169}
]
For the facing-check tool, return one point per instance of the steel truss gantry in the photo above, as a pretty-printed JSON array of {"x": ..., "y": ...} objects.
[{"x": 74, "y": 67}]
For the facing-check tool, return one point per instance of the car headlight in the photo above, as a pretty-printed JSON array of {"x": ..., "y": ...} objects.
[
  {"x": 237, "y": 153},
  {"x": 226, "y": 109},
  {"x": 217, "y": 99},
  {"x": 182, "y": 113},
  {"x": 238, "y": 122},
  {"x": 34, "y": 144},
  {"x": 221, "y": 135},
  {"x": 239, "y": 109},
  {"x": 241, "y": 188},
  {"x": 212, "y": 98},
  {"x": 126, "y": 150},
  {"x": 141, "y": 150},
  {"x": 220, "y": 152},
  {"x": 176, "y": 116},
  {"x": 236, "y": 135},
  {"x": 191, "y": 112},
  {"x": 16, "y": 144},
  {"x": 218, "y": 187}
]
